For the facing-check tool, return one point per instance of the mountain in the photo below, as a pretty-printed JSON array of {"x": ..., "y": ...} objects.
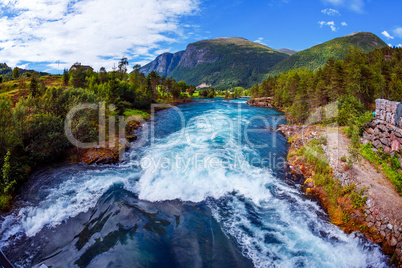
[
  {"x": 288, "y": 51},
  {"x": 164, "y": 64},
  {"x": 4, "y": 69},
  {"x": 7, "y": 71},
  {"x": 316, "y": 56},
  {"x": 220, "y": 62}
]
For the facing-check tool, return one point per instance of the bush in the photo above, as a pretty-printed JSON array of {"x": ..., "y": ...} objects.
[
  {"x": 44, "y": 139},
  {"x": 349, "y": 108},
  {"x": 5, "y": 202}
]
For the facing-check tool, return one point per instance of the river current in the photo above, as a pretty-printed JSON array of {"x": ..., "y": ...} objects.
[{"x": 204, "y": 186}]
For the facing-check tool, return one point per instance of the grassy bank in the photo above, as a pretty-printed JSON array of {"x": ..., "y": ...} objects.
[
  {"x": 385, "y": 162},
  {"x": 344, "y": 204}
]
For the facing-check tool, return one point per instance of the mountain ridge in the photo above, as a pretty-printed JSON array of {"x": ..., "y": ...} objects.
[
  {"x": 316, "y": 56},
  {"x": 227, "y": 62},
  {"x": 5, "y": 70},
  {"x": 221, "y": 62},
  {"x": 288, "y": 51}
]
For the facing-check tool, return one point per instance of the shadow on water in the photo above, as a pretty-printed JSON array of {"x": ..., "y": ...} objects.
[
  {"x": 126, "y": 232},
  {"x": 97, "y": 216}
]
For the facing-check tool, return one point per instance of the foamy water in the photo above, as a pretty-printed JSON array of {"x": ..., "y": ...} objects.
[{"x": 207, "y": 159}]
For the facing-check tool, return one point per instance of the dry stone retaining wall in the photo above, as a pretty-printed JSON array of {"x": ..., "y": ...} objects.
[{"x": 383, "y": 132}]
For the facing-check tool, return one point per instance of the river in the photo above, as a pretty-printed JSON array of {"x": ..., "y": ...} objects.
[{"x": 203, "y": 187}]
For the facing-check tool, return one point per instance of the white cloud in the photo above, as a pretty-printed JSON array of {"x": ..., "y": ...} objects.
[
  {"x": 398, "y": 32},
  {"x": 95, "y": 32},
  {"x": 400, "y": 46},
  {"x": 354, "y": 5},
  {"x": 331, "y": 24},
  {"x": 344, "y": 24},
  {"x": 390, "y": 45},
  {"x": 260, "y": 40},
  {"x": 331, "y": 12},
  {"x": 387, "y": 35}
]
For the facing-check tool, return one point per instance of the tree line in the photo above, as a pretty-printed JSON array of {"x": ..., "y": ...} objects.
[
  {"x": 32, "y": 128},
  {"x": 354, "y": 83}
]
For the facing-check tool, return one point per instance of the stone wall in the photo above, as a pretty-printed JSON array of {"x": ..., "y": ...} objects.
[
  {"x": 382, "y": 132},
  {"x": 385, "y": 110}
]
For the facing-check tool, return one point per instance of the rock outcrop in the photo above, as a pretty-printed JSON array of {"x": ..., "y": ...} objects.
[
  {"x": 266, "y": 102},
  {"x": 164, "y": 64},
  {"x": 104, "y": 155}
]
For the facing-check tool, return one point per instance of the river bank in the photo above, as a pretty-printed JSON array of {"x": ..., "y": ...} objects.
[
  {"x": 110, "y": 153},
  {"x": 377, "y": 215},
  {"x": 93, "y": 215}
]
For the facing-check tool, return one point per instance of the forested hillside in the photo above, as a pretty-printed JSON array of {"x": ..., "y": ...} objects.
[
  {"x": 337, "y": 49},
  {"x": 222, "y": 63},
  {"x": 7, "y": 73},
  {"x": 355, "y": 82},
  {"x": 32, "y": 127}
]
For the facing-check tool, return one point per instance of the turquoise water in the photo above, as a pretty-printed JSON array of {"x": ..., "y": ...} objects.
[{"x": 203, "y": 187}]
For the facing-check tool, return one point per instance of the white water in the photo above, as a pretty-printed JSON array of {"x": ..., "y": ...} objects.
[
  {"x": 211, "y": 165},
  {"x": 208, "y": 161},
  {"x": 289, "y": 219}
]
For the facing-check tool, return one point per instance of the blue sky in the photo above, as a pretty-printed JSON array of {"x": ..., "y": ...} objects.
[{"x": 51, "y": 35}]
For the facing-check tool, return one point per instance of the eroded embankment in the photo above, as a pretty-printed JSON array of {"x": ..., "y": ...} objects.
[
  {"x": 114, "y": 147},
  {"x": 357, "y": 196}
]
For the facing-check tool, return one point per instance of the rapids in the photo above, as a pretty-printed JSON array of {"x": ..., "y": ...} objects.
[{"x": 204, "y": 186}]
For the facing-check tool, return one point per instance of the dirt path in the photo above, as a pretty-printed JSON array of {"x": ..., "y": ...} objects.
[{"x": 381, "y": 192}]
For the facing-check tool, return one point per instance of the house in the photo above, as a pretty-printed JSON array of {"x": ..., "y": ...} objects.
[{"x": 77, "y": 65}]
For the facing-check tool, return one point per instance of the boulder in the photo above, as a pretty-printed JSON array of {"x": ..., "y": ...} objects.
[
  {"x": 377, "y": 144},
  {"x": 395, "y": 146},
  {"x": 393, "y": 242},
  {"x": 382, "y": 128},
  {"x": 367, "y": 136},
  {"x": 398, "y": 132},
  {"x": 385, "y": 142},
  {"x": 370, "y": 131}
]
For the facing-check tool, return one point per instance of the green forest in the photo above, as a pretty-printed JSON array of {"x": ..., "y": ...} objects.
[
  {"x": 316, "y": 57},
  {"x": 354, "y": 83},
  {"x": 228, "y": 63},
  {"x": 32, "y": 125}
]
